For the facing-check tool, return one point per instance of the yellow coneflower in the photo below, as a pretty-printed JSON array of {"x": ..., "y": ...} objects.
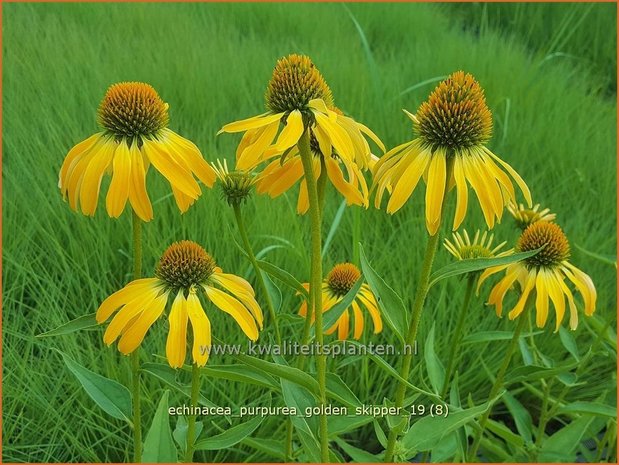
[
  {"x": 480, "y": 247},
  {"x": 340, "y": 280},
  {"x": 185, "y": 272},
  {"x": 135, "y": 135},
  {"x": 297, "y": 99},
  {"x": 544, "y": 274},
  {"x": 527, "y": 216},
  {"x": 235, "y": 185},
  {"x": 454, "y": 123},
  {"x": 281, "y": 175}
]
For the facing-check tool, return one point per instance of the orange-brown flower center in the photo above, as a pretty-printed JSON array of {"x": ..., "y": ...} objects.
[
  {"x": 295, "y": 82},
  {"x": 550, "y": 235},
  {"x": 342, "y": 278},
  {"x": 133, "y": 110},
  {"x": 184, "y": 264},
  {"x": 455, "y": 116}
]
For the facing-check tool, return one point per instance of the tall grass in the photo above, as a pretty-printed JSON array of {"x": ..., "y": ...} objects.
[{"x": 211, "y": 63}]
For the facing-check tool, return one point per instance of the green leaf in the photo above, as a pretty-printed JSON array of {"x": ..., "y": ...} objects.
[
  {"x": 283, "y": 276},
  {"x": 591, "y": 408},
  {"x": 240, "y": 373},
  {"x": 339, "y": 424},
  {"x": 504, "y": 432},
  {"x": 274, "y": 292},
  {"x": 158, "y": 445},
  {"x": 230, "y": 437},
  {"x": 436, "y": 370},
  {"x": 340, "y": 391},
  {"x": 477, "y": 264},
  {"x": 333, "y": 229},
  {"x": 168, "y": 376},
  {"x": 332, "y": 315},
  {"x": 272, "y": 447},
  {"x": 282, "y": 371},
  {"x": 356, "y": 454},
  {"x": 445, "y": 449},
  {"x": 111, "y": 396},
  {"x": 82, "y": 322},
  {"x": 604, "y": 258},
  {"x": 561, "y": 446},
  {"x": 568, "y": 341},
  {"x": 391, "y": 305},
  {"x": 535, "y": 372},
  {"x": 428, "y": 432},
  {"x": 180, "y": 432},
  {"x": 521, "y": 416},
  {"x": 488, "y": 336}
]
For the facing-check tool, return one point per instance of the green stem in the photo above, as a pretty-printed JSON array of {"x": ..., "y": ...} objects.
[
  {"x": 259, "y": 276},
  {"x": 455, "y": 345},
  {"x": 191, "y": 421},
  {"x": 321, "y": 184},
  {"x": 498, "y": 384},
  {"x": 409, "y": 341},
  {"x": 543, "y": 417},
  {"x": 135, "y": 355},
  {"x": 316, "y": 282},
  {"x": 356, "y": 235}
]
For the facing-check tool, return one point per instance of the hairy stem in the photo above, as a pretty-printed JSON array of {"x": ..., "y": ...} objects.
[{"x": 135, "y": 355}]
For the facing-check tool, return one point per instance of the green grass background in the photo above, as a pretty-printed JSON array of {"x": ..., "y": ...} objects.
[{"x": 548, "y": 72}]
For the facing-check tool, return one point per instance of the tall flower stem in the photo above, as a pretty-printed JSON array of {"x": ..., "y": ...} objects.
[
  {"x": 259, "y": 276},
  {"x": 135, "y": 355},
  {"x": 498, "y": 384},
  {"x": 453, "y": 352},
  {"x": 409, "y": 341},
  {"x": 191, "y": 421},
  {"x": 315, "y": 282}
]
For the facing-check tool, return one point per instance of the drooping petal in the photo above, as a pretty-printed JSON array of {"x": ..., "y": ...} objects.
[
  {"x": 93, "y": 174},
  {"x": 523, "y": 186},
  {"x": 337, "y": 135},
  {"x": 529, "y": 285},
  {"x": 556, "y": 295},
  {"x": 437, "y": 173},
  {"x": 125, "y": 295},
  {"x": 176, "y": 344},
  {"x": 74, "y": 154},
  {"x": 134, "y": 335},
  {"x": 252, "y": 155},
  {"x": 251, "y": 123},
  {"x": 542, "y": 287},
  {"x": 343, "y": 326},
  {"x": 234, "y": 308},
  {"x": 408, "y": 181},
  {"x": 584, "y": 284},
  {"x": 358, "y": 330},
  {"x": 201, "y": 329},
  {"x": 118, "y": 193},
  {"x": 138, "y": 196},
  {"x": 291, "y": 133},
  {"x": 177, "y": 175},
  {"x": 350, "y": 193},
  {"x": 192, "y": 156}
]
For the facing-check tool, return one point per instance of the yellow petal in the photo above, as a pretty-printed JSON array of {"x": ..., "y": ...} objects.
[
  {"x": 303, "y": 201},
  {"x": 462, "y": 192},
  {"x": 523, "y": 186},
  {"x": 556, "y": 295},
  {"x": 437, "y": 173},
  {"x": 183, "y": 201},
  {"x": 584, "y": 284},
  {"x": 234, "y": 308},
  {"x": 74, "y": 154},
  {"x": 253, "y": 154},
  {"x": 358, "y": 331},
  {"x": 478, "y": 186},
  {"x": 118, "y": 193},
  {"x": 201, "y": 328},
  {"x": 138, "y": 196},
  {"x": 176, "y": 344},
  {"x": 192, "y": 155},
  {"x": 176, "y": 174},
  {"x": 350, "y": 193},
  {"x": 123, "y": 296},
  {"x": 337, "y": 135},
  {"x": 542, "y": 287},
  {"x": 343, "y": 326},
  {"x": 134, "y": 335},
  {"x": 529, "y": 285},
  {"x": 251, "y": 123},
  {"x": 408, "y": 181},
  {"x": 291, "y": 132},
  {"x": 91, "y": 182}
]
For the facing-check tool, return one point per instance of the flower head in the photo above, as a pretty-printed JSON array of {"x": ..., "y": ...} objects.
[
  {"x": 480, "y": 247},
  {"x": 135, "y": 135},
  {"x": 452, "y": 128},
  {"x": 340, "y": 280},
  {"x": 525, "y": 217},
  {"x": 542, "y": 277},
  {"x": 298, "y": 99},
  {"x": 236, "y": 185},
  {"x": 185, "y": 274}
]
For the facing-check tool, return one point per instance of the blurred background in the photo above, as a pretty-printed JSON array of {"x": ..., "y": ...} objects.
[{"x": 549, "y": 72}]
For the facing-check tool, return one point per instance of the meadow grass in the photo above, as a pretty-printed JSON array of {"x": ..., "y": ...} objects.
[{"x": 553, "y": 121}]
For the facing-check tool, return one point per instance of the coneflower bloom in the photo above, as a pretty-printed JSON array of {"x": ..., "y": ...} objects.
[
  {"x": 185, "y": 274},
  {"x": 280, "y": 175},
  {"x": 463, "y": 248},
  {"x": 525, "y": 217},
  {"x": 340, "y": 280},
  {"x": 298, "y": 99},
  {"x": 542, "y": 277},
  {"x": 236, "y": 186},
  {"x": 453, "y": 125},
  {"x": 135, "y": 135}
]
